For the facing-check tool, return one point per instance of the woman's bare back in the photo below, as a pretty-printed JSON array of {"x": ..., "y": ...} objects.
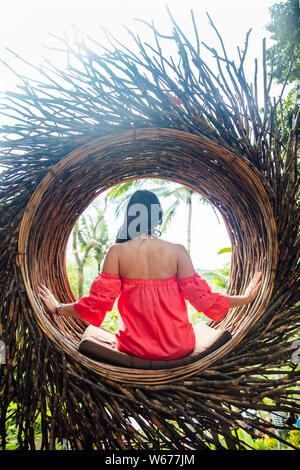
[{"x": 153, "y": 259}]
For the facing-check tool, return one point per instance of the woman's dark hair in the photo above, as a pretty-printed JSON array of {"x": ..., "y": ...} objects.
[{"x": 143, "y": 214}]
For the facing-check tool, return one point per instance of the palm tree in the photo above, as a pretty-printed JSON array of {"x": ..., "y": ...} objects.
[{"x": 89, "y": 234}]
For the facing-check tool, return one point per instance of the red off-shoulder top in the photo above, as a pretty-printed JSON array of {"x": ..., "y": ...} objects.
[{"x": 153, "y": 322}]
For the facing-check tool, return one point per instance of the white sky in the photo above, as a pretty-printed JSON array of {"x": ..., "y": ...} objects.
[{"x": 26, "y": 25}]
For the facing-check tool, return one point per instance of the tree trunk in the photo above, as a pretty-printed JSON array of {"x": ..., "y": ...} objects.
[
  {"x": 79, "y": 262},
  {"x": 80, "y": 280},
  {"x": 189, "y": 220}
]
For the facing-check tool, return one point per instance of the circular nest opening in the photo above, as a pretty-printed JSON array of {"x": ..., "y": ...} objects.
[{"x": 224, "y": 178}]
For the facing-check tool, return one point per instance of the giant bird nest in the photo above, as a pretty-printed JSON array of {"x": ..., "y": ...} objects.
[{"x": 119, "y": 115}]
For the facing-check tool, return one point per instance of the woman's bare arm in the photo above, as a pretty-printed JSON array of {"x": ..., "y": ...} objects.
[
  {"x": 51, "y": 302},
  {"x": 250, "y": 293},
  {"x": 186, "y": 269},
  {"x": 110, "y": 266},
  {"x": 185, "y": 266}
]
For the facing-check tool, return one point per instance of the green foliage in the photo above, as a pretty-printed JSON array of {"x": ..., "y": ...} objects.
[
  {"x": 285, "y": 31},
  {"x": 225, "y": 250},
  {"x": 111, "y": 319},
  {"x": 217, "y": 279},
  {"x": 90, "y": 272},
  {"x": 87, "y": 248},
  {"x": 285, "y": 115},
  {"x": 121, "y": 193},
  {"x": 266, "y": 443},
  {"x": 11, "y": 428},
  {"x": 294, "y": 438},
  {"x": 72, "y": 276},
  {"x": 195, "y": 316},
  {"x": 13, "y": 434}
]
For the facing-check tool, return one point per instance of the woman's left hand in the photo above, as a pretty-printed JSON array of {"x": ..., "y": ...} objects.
[{"x": 48, "y": 298}]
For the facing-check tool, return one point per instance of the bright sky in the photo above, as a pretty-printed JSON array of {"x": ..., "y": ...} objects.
[{"x": 25, "y": 27}]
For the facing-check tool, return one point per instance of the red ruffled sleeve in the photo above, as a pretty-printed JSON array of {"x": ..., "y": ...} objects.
[
  {"x": 103, "y": 293},
  {"x": 196, "y": 290}
]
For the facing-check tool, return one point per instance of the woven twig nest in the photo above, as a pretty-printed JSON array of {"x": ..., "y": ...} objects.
[
  {"x": 121, "y": 116},
  {"x": 215, "y": 172}
]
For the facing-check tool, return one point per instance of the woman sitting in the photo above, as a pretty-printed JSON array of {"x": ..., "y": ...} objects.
[{"x": 153, "y": 278}]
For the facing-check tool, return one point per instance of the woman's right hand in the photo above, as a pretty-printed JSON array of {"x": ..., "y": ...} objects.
[{"x": 253, "y": 287}]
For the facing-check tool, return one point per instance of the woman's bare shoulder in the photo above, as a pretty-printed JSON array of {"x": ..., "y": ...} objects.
[
  {"x": 184, "y": 263},
  {"x": 114, "y": 248},
  {"x": 175, "y": 246}
]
